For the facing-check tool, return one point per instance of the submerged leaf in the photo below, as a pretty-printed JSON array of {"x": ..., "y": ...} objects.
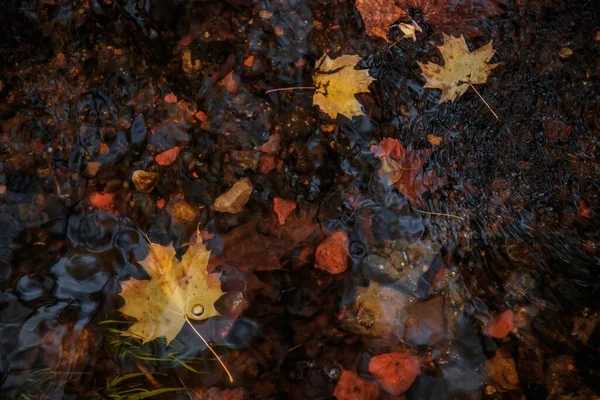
[
  {"x": 452, "y": 16},
  {"x": 378, "y": 15},
  {"x": 176, "y": 290},
  {"x": 404, "y": 169},
  {"x": 337, "y": 82},
  {"x": 460, "y": 68}
]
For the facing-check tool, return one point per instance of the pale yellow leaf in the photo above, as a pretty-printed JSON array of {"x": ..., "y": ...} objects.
[
  {"x": 176, "y": 290},
  {"x": 337, "y": 82},
  {"x": 460, "y": 67},
  {"x": 410, "y": 30}
]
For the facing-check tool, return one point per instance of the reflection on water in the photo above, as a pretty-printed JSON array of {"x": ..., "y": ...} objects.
[{"x": 481, "y": 264}]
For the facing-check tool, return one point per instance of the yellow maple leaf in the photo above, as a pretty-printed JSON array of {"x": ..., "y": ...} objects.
[
  {"x": 337, "y": 82},
  {"x": 460, "y": 68},
  {"x": 176, "y": 290}
]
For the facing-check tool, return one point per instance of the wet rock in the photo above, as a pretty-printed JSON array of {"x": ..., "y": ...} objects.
[
  {"x": 168, "y": 157},
  {"x": 244, "y": 159},
  {"x": 353, "y": 387},
  {"x": 410, "y": 266},
  {"x": 232, "y": 304},
  {"x": 181, "y": 211},
  {"x": 138, "y": 130},
  {"x": 501, "y": 325},
  {"x": 502, "y": 371},
  {"x": 395, "y": 372},
  {"x": 144, "y": 181},
  {"x": 92, "y": 168},
  {"x": 376, "y": 311},
  {"x": 584, "y": 326},
  {"x": 332, "y": 372},
  {"x": 168, "y": 134},
  {"x": 234, "y": 200},
  {"x": 332, "y": 253},
  {"x": 562, "y": 376},
  {"x": 530, "y": 366},
  {"x": 283, "y": 208},
  {"x": 380, "y": 269},
  {"x": 424, "y": 322}
]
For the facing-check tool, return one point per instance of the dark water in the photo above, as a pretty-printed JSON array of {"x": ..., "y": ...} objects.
[{"x": 512, "y": 226}]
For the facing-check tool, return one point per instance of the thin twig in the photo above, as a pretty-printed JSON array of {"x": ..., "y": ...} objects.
[
  {"x": 434, "y": 213},
  {"x": 211, "y": 349},
  {"x": 147, "y": 374},
  {"x": 395, "y": 43},
  {"x": 482, "y": 99},
  {"x": 291, "y": 88}
]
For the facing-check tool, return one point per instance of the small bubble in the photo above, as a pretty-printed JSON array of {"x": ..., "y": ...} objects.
[{"x": 198, "y": 310}]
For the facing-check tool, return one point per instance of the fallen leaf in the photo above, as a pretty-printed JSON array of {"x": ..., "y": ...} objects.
[
  {"x": 168, "y": 157},
  {"x": 410, "y": 30},
  {"x": 350, "y": 386},
  {"x": 378, "y": 15},
  {"x": 337, "y": 81},
  {"x": 395, "y": 372},
  {"x": 144, "y": 181},
  {"x": 454, "y": 16},
  {"x": 214, "y": 393},
  {"x": 246, "y": 250},
  {"x": 408, "y": 175},
  {"x": 460, "y": 68},
  {"x": 176, "y": 290},
  {"x": 332, "y": 253},
  {"x": 234, "y": 200},
  {"x": 389, "y": 147},
  {"x": 501, "y": 325},
  {"x": 283, "y": 208}
]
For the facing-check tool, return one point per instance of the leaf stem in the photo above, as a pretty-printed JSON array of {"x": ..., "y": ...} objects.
[
  {"x": 435, "y": 213},
  {"x": 482, "y": 99},
  {"x": 291, "y": 88},
  {"x": 210, "y": 348}
]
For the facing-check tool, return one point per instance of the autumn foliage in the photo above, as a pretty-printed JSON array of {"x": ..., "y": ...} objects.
[{"x": 406, "y": 170}]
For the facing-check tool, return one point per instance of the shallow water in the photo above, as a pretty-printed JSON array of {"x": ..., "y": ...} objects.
[{"x": 93, "y": 90}]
